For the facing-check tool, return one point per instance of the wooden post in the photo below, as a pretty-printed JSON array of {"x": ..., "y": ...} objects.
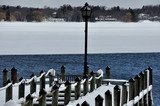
[
  {"x": 136, "y": 88},
  {"x": 55, "y": 94},
  {"x": 141, "y": 87},
  {"x": 42, "y": 80},
  {"x": 14, "y": 75},
  {"x": 29, "y": 100},
  {"x": 116, "y": 96},
  {"x": 87, "y": 71},
  {"x": 108, "y": 98},
  {"x": 67, "y": 95},
  {"x": 145, "y": 87},
  {"x": 98, "y": 101},
  {"x": 51, "y": 79},
  {"x": 42, "y": 95},
  {"x": 21, "y": 88},
  {"x": 150, "y": 97},
  {"x": 124, "y": 94},
  {"x": 32, "y": 85},
  {"x": 85, "y": 85},
  {"x": 8, "y": 91},
  {"x": 150, "y": 75},
  {"x": 145, "y": 79},
  {"x": 84, "y": 104},
  {"x": 5, "y": 77},
  {"x": 99, "y": 81},
  {"x": 131, "y": 89},
  {"x": 63, "y": 73},
  {"x": 77, "y": 88},
  {"x": 108, "y": 72},
  {"x": 92, "y": 82}
]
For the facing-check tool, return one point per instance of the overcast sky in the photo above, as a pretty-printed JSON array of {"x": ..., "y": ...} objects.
[{"x": 57, "y": 3}]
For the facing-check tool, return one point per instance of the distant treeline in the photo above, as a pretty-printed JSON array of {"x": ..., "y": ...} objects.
[{"x": 69, "y": 13}]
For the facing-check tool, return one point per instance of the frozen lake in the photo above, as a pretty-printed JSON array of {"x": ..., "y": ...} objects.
[{"x": 68, "y": 37}]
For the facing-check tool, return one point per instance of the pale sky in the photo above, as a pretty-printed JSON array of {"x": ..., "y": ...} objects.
[{"x": 57, "y": 3}]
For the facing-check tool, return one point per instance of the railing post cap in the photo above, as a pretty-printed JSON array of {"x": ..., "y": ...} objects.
[
  {"x": 132, "y": 80},
  {"x": 41, "y": 72},
  {"x": 5, "y": 70},
  {"x": 42, "y": 92},
  {"x": 29, "y": 97},
  {"x": 77, "y": 79},
  {"x": 150, "y": 69},
  {"x": 108, "y": 92},
  {"x": 55, "y": 87},
  {"x": 116, "y": 88},
  {"x": 78, "y": 104},
  {"x": 62, "y": 67},
  {"x": 137, "y": 77},
  {"x": 92, "y": 73},
  {"x": 67, "y": 83},
  {"x": 85, "y": 76},
  {"x": 21, "y": 79},
  {"x": 8, "y": 81},
  {"x": 32, "y": 75},
  {"x": 141, "y": 73},
  {"x": 84, "y": 104},
  {"x": 99, "y": 98},
  {"x": 13, "y": 69},
  {"x": 108, "y": 68}
]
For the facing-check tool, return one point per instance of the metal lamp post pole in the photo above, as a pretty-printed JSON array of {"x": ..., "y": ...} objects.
[{"x": 86, "y": 43}]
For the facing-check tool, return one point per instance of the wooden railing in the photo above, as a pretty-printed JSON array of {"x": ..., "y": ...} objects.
[{"x": 37, "y": 90}]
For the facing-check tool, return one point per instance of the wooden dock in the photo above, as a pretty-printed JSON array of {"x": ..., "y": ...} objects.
[{"x": 94, "y": 89}]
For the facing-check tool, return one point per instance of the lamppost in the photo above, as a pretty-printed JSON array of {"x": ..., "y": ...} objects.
[{"x": 86, "y": 14}]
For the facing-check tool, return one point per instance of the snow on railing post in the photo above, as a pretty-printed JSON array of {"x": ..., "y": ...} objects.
[
  {"x": 92, "y": 82},
  {"x": 67, "y": 95},
  {"x": 63, "y": 73},
  {"x": 99, "y": 101},
  {"x": 108, "y": 72},
  {"x": 77, "y": 88},
  {"x": 5, "y": 76},
  {"x": 84, "y": 104},
  {"x": 29, "y": 100},
  {"x": 145, "y": 87},
  {"x": 55, "y": 93},
  {"x": 108, "y": 98},
  {"x": 131, "y": 89},
  {"x": 85, "y": 85},
  {"x": 21, "y": 88},
  {"x": 124, "y": 94},
  {"x": 32, "y": 84},
  {"x": 116, "y": 96},
  {"x": 42, "y": 80},
  {"x": 42, "y": 97},
  {"x": 14, "y": 75},
  {"x": 8, "y": 91},
  {"x": 141, "y": 87}
]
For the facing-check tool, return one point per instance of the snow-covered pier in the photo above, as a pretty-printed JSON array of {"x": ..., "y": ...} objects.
[{"x": 95, "y": 89}]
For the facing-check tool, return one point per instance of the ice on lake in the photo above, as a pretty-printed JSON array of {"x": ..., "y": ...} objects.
[{"x": 68, "y": 37}]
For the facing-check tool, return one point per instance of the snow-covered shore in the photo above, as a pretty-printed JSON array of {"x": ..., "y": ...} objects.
[{"x": 68, "y": 37}]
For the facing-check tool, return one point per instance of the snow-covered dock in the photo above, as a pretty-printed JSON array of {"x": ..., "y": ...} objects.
[{"x": 49, "y": 89}]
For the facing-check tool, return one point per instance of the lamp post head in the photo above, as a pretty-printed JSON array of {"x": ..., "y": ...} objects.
[{"x": 86, "y": 11}]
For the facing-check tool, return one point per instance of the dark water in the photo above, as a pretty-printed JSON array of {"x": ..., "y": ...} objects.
[{"x": 123, "y": 66}]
